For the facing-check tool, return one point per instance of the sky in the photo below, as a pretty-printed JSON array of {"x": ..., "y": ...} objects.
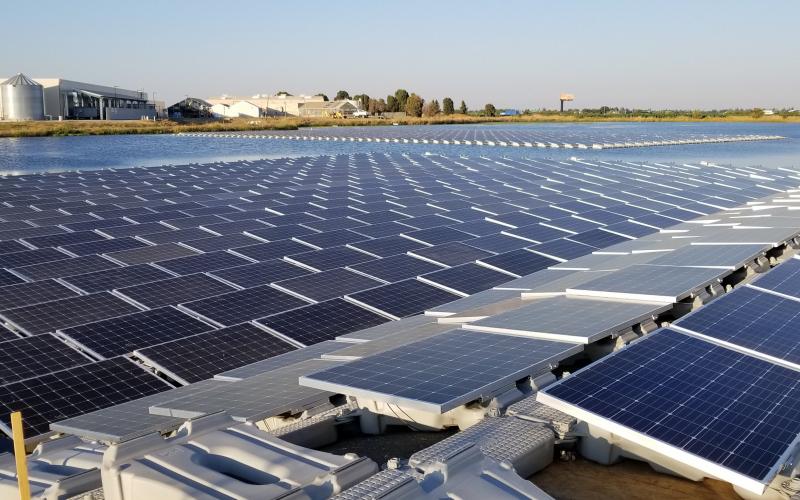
[{"x": 702, "y": 54}]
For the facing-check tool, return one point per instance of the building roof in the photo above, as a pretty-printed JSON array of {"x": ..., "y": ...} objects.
[{"x": 20, "y": 79}]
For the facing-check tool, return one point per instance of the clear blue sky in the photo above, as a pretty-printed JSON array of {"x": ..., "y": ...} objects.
[{"x": 659, "y": 54}]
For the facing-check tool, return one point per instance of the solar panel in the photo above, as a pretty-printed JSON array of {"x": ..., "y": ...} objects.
[
  {"x": 401, "y": 299},
  {"x": 66, "y": 267},
  {"x": 11, "y": 247},
  {"x": 723, "y": 412},
  {"x": 202, "y": 356},
  {"x": 562, "y": 249},
  {"x": 124, "y": 334},
  {"x": 74, "y": 391},
  {"x": 497, "y": 243},
  {"x": 386, "y": 246},
  {"x": 173, "y": 291},
  {"x": 33, "y": 356},
  {"x": 63, "y": 313},
  {"x": 536, "y": 233},
  {"x": 717, "y": 257},
  {"x": 437, "y": 235},
  {"x": 125, "y": 421},
  {"x": 205, "y": 262},
  {"x": 220, "y": 242},
  {"x": 466, "y": 279},
  {"x": 104, "y": 246},
  {"x": 116, "y": 278},
  {"x": 758, "y": 322},
  {"x": 598, "y": 238},
  {"x": 327, "y": 284},
  {"x": 329, "y": 258},
  {"x": 444, "y": 371},
  {"x": 253, "y": 399},
  {"x": 174, "y": 236},
  {"x": 450, "y": 254},
  {"x": 24, "y": 294},
  {"x": 272, "y": 250},
  {"x": 395, "y": 268},
  {"x": 243, "y": 305},
  {"x": 630, "y": 229},
  {"x": 19, "y": 259},
  {"x": 783, "y": 279},
  {"x": 646, "y": 282},
  {"x": 570, "y": 319},
  {"x": 518, "y": 262},
  {"x": 280, "y": 361},
  {"x": 330, "y": 238},
  {"x": 7, "y": 278},
  {"x": 153, "y": 253},
  {"x": 323, "y": 321},
  {"x": 57, "y": 240}
]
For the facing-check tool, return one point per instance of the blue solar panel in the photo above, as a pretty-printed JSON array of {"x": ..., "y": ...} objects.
[
  {"x": 467, "y": 279},
  {"x": 243, "y": 305},
  {"x": 329, "y": 258},
  {"x": 536, "y": 233},
  {"x": 784, "y": 279},
  {"x": 758, "y": 321},
  {"x": 562, "y": 249},
  {"x": 404, "y": 298},
  {"x": 395, "y": 268},
  {"x": 728, "y": 408},
  {"x": 519, "y": 262},
  {"x": 598, "y": 238}
]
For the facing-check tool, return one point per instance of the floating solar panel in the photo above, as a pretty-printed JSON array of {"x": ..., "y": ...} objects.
[
  {"x": 33, "y": 356},
  {"x": 11, "y": 247},
  {"x": 562, "y": 250},
  {"x": 759, "y": 323},
  {"x": 202, "y": 356},
  {"x": 646, "y": 282},
  {"x": 272, "y": 250},
  {"x": 598, "y": 238},
  {"x": 28, "y": 257},
  {"x": 570, "y": 319},
  {"x": 205, "y": 262},
  {"x": 7, "y": 278},
  {"x": 220, "y": 242},
  {"x": 125, "y": 421},
  {"x": 74, "y": 391},
  {"x": 125, "y": 334},
  {"x": 254, "y": 399},
  {"x": 396, "y": 268},
  {"x": 153, "y": 253},
  {"x": 783, "y": 279},
  {"x": 450, "y": 254},
  {"x": 174, "y": 236},
  {"x": 328, "y": 258},
  {"x": 518, "y": 262},
  {"x": 498, "y": 243},
  {"x": 280, "y": 361},
  {"x": 173, "y": 291},
  {"x": 730, "y": 415},
  {"x": 104, "y": 246},
  {"x": 772, "y": 236},
  {"x": 327, "y": 284},
  {"x": 133, "y": 230},
  {"x": 386, "y": 246},
  {"x": 116, "y": 278},
  {"x": 436, "y": 235},
  {"x": 330, "y": 238},
  {"x": 401, "y": 299},
  {"x": 24, "y": 294},
  {"x": 442, "y": 372},
  {"x": 466, "y": 279},
  {"x": 57, "y": 240},
  {"x": 243, "y": 305},
  {"x": 536, "y": 233},
  {"x": 729, "y": 257},
  {"x": 66, "y": 267},
  {"x": 630, "y": 229},
  {"x": 317, "y": 323},
  {"x": 51, "y": 316}
]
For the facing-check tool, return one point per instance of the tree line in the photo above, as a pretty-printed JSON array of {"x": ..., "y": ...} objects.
[{"x": 411, "y": 104}]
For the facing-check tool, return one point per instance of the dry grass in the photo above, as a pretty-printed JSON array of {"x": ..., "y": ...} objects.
[{"x": 41, "y": 129}]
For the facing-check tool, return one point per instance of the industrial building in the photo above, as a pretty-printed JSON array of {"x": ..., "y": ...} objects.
[
  {"x": 26, "y": 98},
  {"x": 191, "y": 107},
  {"x": 261, "y": 105},
  {"x": 338, "y": 109}
]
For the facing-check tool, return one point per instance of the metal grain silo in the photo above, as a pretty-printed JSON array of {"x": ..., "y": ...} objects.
[{"x": 22, "y": 99}]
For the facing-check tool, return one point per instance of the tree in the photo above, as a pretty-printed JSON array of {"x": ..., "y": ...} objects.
[
  {"x": 377, "y": 106},
  {"x": 447, "y": 106},
  {"x": 341, "y": 95},
  {"x": 463, "y": 108},
  {"x": 391, "y": 104},
  {"x": 431, "y": 109},
  {"x": 402, "y": 96},
  {"x": 490, "y": 110},
  {"x": 414, "y": 105},
  {"x": 363, "y": 100},
  {"x": 758, "y": 112},
  {"x": 324, "y": 97},
  {"x": 283, "y": 92}
]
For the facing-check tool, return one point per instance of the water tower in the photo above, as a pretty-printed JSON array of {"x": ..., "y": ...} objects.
[
  {"x": 566, "y": 97},
  {"x": 22, "y": 99}
]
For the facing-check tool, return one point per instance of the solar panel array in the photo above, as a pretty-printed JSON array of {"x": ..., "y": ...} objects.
[
  {"x": 124, "y": 261},
  {"x": 496, "y": 135}
]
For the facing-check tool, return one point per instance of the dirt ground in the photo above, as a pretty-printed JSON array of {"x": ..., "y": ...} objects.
[{"x": 630, "y": 480}]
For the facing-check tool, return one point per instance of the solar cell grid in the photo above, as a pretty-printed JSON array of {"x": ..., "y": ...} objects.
[
  {"x": 243, "y": 305},
  {"x": 205, "y": 262},
  {"x": 518, "y": 262},
  {"x": 327, "y": 284},
  {"x": 116, "y": 278},
  {"x": 7, "y": 278},
  {"x": 27, "y": 257},
  {"x": 65, "y": 267},
  {"x": 467, "y": 279},
  {"x": 74, "y": 391},
  {"x": 153, "y": 253},
  {"x": 104, "y": 246},
  {"x": 329, "y": 258},
  {"x": 33, "y": 356},
  {"x": 192, "y": 359},
  {"x": 23, "y": 294},
  {"x": 315, "y": 323},
  {"x": 173, "y": 291},
  {"x": 403, "y": 298},
  {"x": 272, "y": 250}
]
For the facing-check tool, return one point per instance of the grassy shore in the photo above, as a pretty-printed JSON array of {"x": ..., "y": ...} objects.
[{"x": 74, "y": 127}]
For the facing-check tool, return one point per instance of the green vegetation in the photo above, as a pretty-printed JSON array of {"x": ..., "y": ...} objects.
[
  {"x": 447, "y": 106},
  {"x": 489, "y": 110},
  {"x": 341, "y": 95},
  {"x": 414, "y": 105},
  {"x": 463, "y": 108}
]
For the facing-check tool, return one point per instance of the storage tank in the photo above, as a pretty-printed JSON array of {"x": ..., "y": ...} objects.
[{"x": 23, "y": 99}]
